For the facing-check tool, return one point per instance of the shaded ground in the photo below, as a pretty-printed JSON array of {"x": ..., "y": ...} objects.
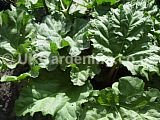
[{"x": 9, "y": 92}]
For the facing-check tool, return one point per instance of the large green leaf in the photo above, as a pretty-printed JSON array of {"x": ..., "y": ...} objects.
[
  {"x": 52, "y": 93},
  {"x": 69, "y": 6},
  {"x": 123, "y": 37},
  {"x": 79, "y": 6},
  {"x": 15, "y": 30},
  {"x": 81, "y": 37},
  {"x": 53, "y": 5},
  {"x": 48, "y": 40},
  {"x": 81, "y": 73},
  {"x": 112, "y": 105}
]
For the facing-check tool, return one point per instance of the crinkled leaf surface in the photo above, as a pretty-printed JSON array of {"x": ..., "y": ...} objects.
[
  {"x": 79, "y": 6},
  {"x": 81, "y": 73},
  {"x": 48, "y": 40},
  {"x": 81, "y": 37},
  {"x": 53, "y": 5},
  {"x": 123, "y": 36},
  {"x": 115, "y": 106},
  {"x": 15, "y": 30},
  {"x": 53, "y": 94}
]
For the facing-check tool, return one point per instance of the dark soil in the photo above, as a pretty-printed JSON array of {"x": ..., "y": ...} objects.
[{"x": 9, "y": 92}]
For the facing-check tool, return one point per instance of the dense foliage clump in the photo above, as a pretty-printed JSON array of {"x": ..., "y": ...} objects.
[{"x": 116, "y": 42}]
